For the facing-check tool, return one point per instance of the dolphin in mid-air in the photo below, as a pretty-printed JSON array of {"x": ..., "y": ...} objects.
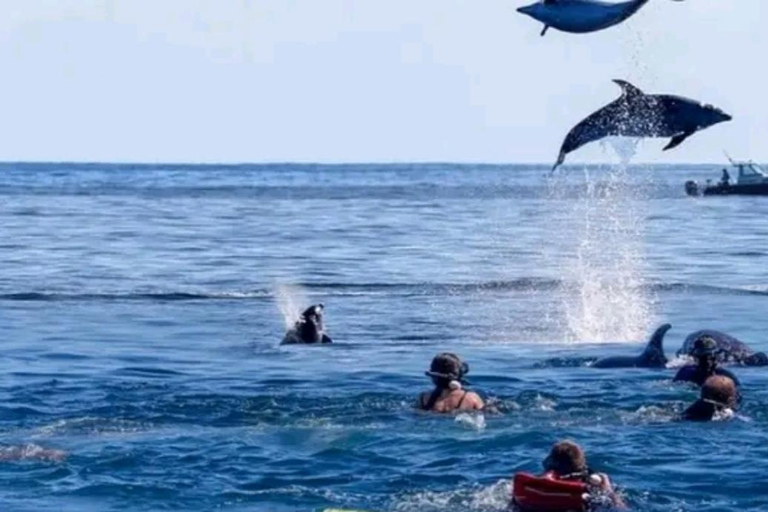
[
  {"x": 636, "y": 114},
  {"x": 581, "y": 16}
]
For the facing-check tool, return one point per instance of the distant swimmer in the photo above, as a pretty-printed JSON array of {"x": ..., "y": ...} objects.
[
  {"x": 729, "y": 349},
  {"x": 567, "y": 484},
  {"x": 652, "y": 357},
  {"x": 719, "y": 399},
  {"x": 31, "y": 452},
  {"x": 636, "y": 114},
  {"x": 447, "y": 372},
  {"x": 309, "y": 328},
  {"x": 580, "y": 16},
  {"x": 705, "y": 353}
]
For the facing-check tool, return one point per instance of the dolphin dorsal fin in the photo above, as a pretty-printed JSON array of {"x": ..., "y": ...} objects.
[
  {"x": 657, "y": 339},
  {"x": 629, "y": 90}
]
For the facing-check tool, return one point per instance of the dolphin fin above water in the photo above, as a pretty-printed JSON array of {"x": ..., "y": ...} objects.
[
  {"x": 652, "y": 357},
  {"x": 629, "y": 91}
]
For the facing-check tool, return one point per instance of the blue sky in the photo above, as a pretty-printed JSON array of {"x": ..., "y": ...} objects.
[{"x": 359, "y": 80}]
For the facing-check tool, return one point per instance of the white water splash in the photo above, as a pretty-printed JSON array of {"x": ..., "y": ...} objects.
[
  {"x": 473, "y": 421},
  {"x": 291, "y": 301},
  {"x": 493, "y": 498},
  {"x": 604, "y": 296}
]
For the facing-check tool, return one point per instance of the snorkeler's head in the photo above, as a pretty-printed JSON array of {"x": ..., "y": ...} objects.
[
  {"x": 705, "y": 349},
  {"x": 721, "y": 390},
  {"x": 566, "y": 458},
  {"x": 447, "y": 367}
]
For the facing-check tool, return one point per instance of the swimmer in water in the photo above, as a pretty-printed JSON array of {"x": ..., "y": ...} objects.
[
  {"x": 719, "y": 399},
  {"x": 447, "y": 372},
  {"x": 705, "y": 353},
  {"x": 568, "y": 462}
]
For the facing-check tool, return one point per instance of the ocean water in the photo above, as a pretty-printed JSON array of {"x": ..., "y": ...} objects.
[{"x": 141, "y": 309}]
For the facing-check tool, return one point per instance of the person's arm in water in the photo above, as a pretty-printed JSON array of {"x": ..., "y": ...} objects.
[
  {"x": 606, "y": 488},
  {"x": 684, "y": 374}
]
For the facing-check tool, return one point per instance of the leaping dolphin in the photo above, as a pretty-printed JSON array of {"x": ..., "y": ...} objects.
[
  {"x": 652, "y": 357},
  {"x": 581, "y": 16},
  {"x": 636, "y": 114}
]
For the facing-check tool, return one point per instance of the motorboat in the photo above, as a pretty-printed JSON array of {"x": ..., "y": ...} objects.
[{"x": 751, "y": 180}]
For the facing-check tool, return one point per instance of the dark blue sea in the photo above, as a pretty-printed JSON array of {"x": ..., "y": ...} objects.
[{"x": 142, "y": 306}]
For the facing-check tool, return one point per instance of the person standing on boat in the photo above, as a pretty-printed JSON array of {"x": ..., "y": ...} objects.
[{"x": 726, "y": 179}]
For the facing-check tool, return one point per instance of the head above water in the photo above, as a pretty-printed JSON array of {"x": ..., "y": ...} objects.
[
  {"x": 705, "y": 349},
  {"x": 720, "y": 389},
  {"x": 566, "y": 458},
  {"x": 447, "y": 367}
]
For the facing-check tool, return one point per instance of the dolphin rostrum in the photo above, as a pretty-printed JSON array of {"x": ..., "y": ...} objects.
[
  {"x": 652, "y": 357},
  {"x": 636, "y": 114}
]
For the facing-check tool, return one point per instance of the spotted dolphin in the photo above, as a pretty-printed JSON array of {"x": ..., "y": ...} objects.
[
  {"x": 581, "y": 16},
  {"x": 636, "y": 114},
  {"x": 652, "y": 357},
  {"x": 308, "y": 329},
  {"x": 729, "y": 349}
]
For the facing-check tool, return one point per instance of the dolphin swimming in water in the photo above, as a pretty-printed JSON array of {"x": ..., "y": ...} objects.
[
  {"x": 636, "y": 114},
  {"x": 652, "y": 357},
  {"x": 729, "y": 349},
  {"x": 308, "y": 329},
  {"x": 581, "y": 16}
]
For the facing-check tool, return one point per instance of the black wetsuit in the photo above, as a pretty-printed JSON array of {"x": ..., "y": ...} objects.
[
  {"x": 703, "y": 410},
  {"x": 698, "y": 374}
]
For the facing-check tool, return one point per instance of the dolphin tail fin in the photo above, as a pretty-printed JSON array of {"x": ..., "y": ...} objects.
[{"x": 629, "y": 90}]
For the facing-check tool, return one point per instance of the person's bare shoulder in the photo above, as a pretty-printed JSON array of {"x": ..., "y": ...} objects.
[{"x": 473, "y": 402}]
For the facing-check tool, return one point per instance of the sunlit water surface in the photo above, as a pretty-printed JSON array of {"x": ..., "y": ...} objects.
[{"x": 140, "y": 315}]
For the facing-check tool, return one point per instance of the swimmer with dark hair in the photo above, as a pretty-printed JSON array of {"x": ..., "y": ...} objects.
[
  {"x": 705, "y": 353},
  {"x": 447, "y": 372}
]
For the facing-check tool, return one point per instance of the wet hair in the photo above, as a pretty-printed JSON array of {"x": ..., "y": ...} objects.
[
  {"x": 566, "y": 458},
  {"x": 719, "y": 389},
  {"x": 447, "y": 367}
]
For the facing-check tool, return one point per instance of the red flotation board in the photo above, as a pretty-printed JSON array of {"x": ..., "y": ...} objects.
[{"x": 547, "y": 494}]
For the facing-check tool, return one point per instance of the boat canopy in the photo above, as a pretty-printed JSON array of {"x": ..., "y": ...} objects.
[{"x": 750, "y": 172}]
